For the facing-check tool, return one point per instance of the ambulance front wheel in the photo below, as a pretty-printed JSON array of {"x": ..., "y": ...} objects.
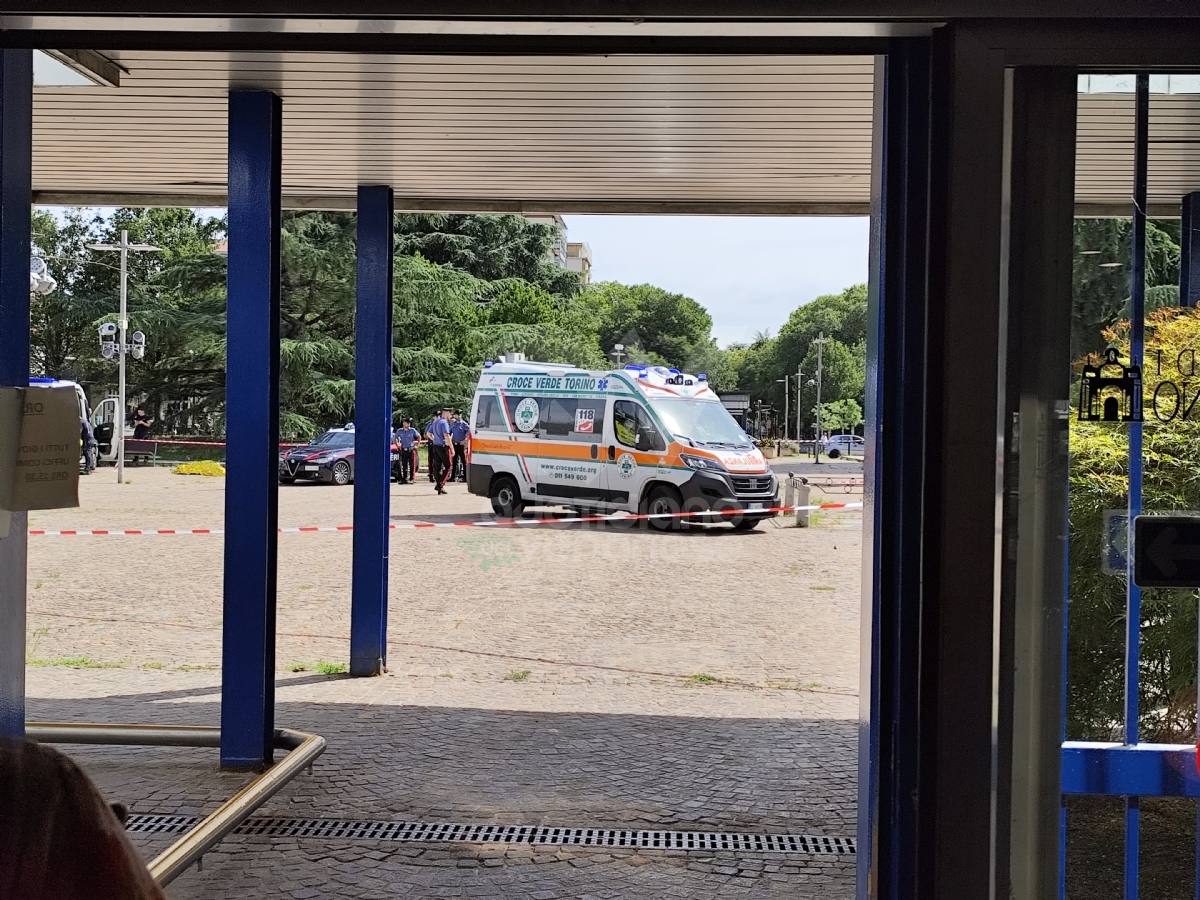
[
  {"x": 663, "y": 506},
  {"x": 506, "y": 498}
]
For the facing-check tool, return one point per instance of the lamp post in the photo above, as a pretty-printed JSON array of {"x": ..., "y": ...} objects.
[
  {"x": 799, "y": 408},
  {"x": 618, "y": 351},
  {"x": 785, "y": 381},
  {"x": 820, "y": 340},
  {"x": 123, "y": 326}
]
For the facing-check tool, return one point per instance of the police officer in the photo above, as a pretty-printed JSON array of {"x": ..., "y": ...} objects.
[
  {"x": 406, "y": 439},
  {"x": 460, "y": 434},
  {"x": 441, "y": 449}
]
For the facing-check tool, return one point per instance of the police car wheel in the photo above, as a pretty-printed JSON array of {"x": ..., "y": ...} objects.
[
  {"x": 506, "y": 498},
  {"x": 746, "y": 524},
  {"x": 663, "y": 501},
  {"x": 286, "y": 479},
  {"x": 341, "y": 473}
]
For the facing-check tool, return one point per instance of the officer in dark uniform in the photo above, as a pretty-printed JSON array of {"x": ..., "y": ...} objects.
[
  {"x": 406, "y": 439},
  {"x": 460, "y": 434}
]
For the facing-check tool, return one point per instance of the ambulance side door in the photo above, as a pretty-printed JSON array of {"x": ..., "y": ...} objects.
[
  {"x": 635, "y": 453},
  {"x": 570, "y": 469}
]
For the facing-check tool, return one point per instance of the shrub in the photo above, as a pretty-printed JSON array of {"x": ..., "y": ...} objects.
[{"x": 1099, "y": 481}]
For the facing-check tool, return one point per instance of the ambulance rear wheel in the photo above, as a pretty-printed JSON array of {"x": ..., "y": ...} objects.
[
  {"x": 506, "y": 498},
  {"x": 663, "y": 501}
]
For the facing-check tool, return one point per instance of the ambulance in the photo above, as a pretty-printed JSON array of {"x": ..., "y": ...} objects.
[{"x": 640, "y": 439}]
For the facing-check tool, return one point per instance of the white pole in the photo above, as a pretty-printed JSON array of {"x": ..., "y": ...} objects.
[
  {"x": 799, "y": 387},
  {"x": 122, "y": 327},
  {"x": 820, "y": 342},
  {"x": 786, "y": 406}
]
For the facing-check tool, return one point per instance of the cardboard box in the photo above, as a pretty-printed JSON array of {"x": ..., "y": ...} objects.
[{"x": 42, "y": 471}]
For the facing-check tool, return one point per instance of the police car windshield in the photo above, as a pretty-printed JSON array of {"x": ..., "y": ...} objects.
[
  {"x": 335, "y": 439},
  {"x": 702, "y": 421}
]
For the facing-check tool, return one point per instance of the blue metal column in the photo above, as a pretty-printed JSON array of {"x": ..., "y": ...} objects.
[
  {"x": 1137, "y": 338},
  {"x": 372, "y": 432},
  {"x": 1189, "y": 251},
  {"x": 252, "y": 430},
  {"x": 16, "y": 151}
]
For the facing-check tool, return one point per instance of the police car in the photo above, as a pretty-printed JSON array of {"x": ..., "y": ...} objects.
[{"x": 330, "y": 459}]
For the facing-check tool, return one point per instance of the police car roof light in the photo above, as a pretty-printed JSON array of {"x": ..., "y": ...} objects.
[
  {"x": 487, "y": 363},
  {"x": 673, "y": 371},
  {"x": 633, "y": 368},
  {"x": 40, "y": 379},
  {"x": 702, "y": 377}
]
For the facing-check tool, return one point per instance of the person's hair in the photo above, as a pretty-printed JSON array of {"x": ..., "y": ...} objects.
[
  {"x": 59, "y": 838},
  {"x": 406, "y": 421}
]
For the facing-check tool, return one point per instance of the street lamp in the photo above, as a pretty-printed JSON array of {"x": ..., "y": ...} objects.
[
  {"x": 137, "y": 348},
  {"x": 618, "y": 351},
  {"x": 820, "y": 341},
  {"x": 786, "y": 415}
]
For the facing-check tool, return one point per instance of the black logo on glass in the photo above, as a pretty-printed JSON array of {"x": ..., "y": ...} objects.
[{"x": 1111, "y": 392}]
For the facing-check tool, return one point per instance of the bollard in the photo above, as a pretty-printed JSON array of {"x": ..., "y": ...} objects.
[
  {"x": 802, "y": 490},
  {"x": 789, "y": 492}
]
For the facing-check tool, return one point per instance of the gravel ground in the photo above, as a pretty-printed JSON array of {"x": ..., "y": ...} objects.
[{"x": 567, "y": 675}]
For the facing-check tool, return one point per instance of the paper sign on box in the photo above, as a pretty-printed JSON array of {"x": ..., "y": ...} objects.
[{"x": 42, "y": 470}]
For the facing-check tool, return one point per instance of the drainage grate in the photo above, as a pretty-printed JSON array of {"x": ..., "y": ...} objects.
[{"x": 448, "y": 832}]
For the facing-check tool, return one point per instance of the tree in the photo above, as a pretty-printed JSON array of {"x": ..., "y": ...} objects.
[
  {"x": 669, "y": 326},
  {"x": 843, "y": 319},
  {"x": 841, "y": 415},
  {"x": 489, "y": 247},
  {"x": 181, "y": 361},
  {"x": 1103, "y": 253}
]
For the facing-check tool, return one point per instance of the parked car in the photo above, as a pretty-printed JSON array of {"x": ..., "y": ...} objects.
[
  {"x": 844, "y": 445},
  {"x": 330, "y": 458}
]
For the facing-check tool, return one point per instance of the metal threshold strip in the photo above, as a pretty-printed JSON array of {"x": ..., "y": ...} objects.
[
  {"x": 514, "y": 835},
  {"x": 200, "y": 835}
]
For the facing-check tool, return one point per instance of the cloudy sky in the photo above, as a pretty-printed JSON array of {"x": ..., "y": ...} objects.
[{"x": 750, "y": 272}]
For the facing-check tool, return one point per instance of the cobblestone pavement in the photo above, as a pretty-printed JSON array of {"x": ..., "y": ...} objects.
[{"x": 705, "y": 680}]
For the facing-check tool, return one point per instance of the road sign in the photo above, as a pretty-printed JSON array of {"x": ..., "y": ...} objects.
[{"x": 1166, "y": 551}]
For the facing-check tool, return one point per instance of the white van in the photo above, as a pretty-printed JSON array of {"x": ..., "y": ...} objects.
[{"x": 645, "y": 440}]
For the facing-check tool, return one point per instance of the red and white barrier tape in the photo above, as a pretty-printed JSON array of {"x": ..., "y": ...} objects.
[{"x": 466, "y": 523}]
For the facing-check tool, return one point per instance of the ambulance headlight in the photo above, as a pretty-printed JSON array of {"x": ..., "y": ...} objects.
[{"x": 701, "y": 462}]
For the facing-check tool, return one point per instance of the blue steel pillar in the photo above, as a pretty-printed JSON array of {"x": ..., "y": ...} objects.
[
  {"x": 1189, "y": 251},
  {"x": 252, "y": 430},
  {"x": 372, "y": 432},
  {"x": 16, "y": 149}
]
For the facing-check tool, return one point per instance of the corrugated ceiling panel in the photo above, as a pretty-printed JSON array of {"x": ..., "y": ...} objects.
[{"x": 738, "y": 130}]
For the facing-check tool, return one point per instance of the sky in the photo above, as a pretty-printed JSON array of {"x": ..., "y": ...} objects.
[{"x": 748, "y": 272}]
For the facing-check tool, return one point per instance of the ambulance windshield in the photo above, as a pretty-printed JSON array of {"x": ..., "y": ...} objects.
[{"x": 701, "y": 421}]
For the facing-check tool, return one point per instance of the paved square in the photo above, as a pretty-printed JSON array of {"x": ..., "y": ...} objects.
[{"x": 562, "y": 675}]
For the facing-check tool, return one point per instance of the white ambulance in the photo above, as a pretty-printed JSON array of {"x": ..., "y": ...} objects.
[{"x": 644, "y": 440}]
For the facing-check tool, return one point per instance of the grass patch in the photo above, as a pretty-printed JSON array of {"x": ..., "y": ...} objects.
[
  {"x": 517, "y": 675},
  {"x": 321, "y": 667},
  {"x": 822, "y": 587},
  {"x": 76, "y": 662},
  {"x": 154, "y": 665},
  {"x": 702, "y": 678},
  {"x": 187, "y": 668},
  {"x": 306, "y": 587}
]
